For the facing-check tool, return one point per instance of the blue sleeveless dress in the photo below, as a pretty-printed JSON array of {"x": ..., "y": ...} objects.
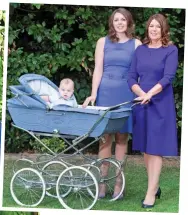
[{"x": 113, "y": 88}]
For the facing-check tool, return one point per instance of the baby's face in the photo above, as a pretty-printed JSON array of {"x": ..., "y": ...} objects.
[{"x": 66, "y": 90}]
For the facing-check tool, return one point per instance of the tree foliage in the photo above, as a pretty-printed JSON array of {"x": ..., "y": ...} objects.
[
  {"x": 17, "y": 213},
  {"x": 59, "y": 41}
]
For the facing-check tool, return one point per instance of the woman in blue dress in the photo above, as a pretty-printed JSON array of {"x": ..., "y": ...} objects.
[
  {"x": 154, "y": 122},
  {"x": 113, "y": 56}
]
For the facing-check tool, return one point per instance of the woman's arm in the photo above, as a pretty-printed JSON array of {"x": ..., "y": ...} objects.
[
  {"x": 97, "y": 74},
  {"x": 98, "y": 71},
  {"x": 137, "y": 90},
  {"x": 170, "y": 68},
  {"x": 133, "y": 77}
]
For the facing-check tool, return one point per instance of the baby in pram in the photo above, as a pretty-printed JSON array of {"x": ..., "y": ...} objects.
[
  {"x": 66, "y": 94},
  {"x": 53, "y": 95}
]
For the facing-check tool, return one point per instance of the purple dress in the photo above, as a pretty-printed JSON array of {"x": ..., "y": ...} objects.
[
  {"x": 113, "y": 88},
  {"x": 154, "y": 124}
]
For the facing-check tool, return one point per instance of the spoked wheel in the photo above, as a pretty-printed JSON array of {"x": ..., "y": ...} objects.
[
  {"x": 27, "y": 187},
  {"x": 22, "y": 163},
  {"x": 94, "y": 170},
  {"x": 51, "y": 172},
  {"x": 84, "y": 188},
  {"x": 111, "y": 177},
  {"x": 43, "y": 159}
]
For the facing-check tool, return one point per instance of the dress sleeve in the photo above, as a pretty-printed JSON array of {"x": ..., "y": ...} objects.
[
  {"x": 170, "y": 68},
  {"x": 132, "y": 74}
]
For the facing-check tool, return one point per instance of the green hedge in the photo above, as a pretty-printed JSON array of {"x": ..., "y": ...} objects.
[
  {"x": 59, "y": 41},
  {"x": 17, "y": 213}
]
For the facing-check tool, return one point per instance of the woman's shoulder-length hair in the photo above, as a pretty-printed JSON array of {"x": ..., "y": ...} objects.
[
  {"x": 130, "y": 24},
  {"x": 165, "y": 30}
]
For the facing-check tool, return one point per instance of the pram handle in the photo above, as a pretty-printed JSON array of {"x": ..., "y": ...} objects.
[
  {"x": 81, "y": 138},
  {"x": 134, "y": 102}
]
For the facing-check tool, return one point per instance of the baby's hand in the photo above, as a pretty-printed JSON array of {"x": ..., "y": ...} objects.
[{"x": 45, "y": 98}]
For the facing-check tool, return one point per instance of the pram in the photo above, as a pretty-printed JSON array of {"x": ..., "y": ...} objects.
[{"x": 76, "y": 186}]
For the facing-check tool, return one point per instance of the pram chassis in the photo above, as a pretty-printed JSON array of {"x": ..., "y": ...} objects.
[
  {"x": 38, "y": 176},
  {"x": 86, "y": 170}
]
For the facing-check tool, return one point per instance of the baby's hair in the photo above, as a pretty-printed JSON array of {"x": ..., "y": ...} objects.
[{"x": 67, "y": 81}]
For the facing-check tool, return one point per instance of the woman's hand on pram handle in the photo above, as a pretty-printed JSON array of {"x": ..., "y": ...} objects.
[
  {"x": 145, "y": 99},
  {"x": 88, "y": 100}
]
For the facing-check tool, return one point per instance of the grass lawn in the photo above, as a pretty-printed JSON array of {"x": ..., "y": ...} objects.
[{"x": 136, "y": 184}]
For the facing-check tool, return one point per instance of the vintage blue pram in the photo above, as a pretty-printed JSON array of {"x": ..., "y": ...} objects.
[{"x": 76, "y": 186}]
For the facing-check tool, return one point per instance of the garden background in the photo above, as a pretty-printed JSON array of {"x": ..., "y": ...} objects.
[{"x": 59, "y": 41}]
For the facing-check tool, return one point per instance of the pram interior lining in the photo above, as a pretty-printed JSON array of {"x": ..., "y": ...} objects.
[{"x": 41, "y": 87}]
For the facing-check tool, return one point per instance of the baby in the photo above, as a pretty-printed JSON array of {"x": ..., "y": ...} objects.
[{"x": 66, "y": 94}]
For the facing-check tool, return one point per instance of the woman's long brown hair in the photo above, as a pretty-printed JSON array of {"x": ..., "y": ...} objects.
[{"x": 130, "y": 24}]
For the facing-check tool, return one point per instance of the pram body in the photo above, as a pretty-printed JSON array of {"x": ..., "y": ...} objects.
[
  {"x": 30, "y": 112},
  {"x": 69, "y": 183}
]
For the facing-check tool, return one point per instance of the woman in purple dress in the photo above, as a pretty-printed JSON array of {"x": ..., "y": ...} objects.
[
  {"x": 152, "y": 70},
  {"x": 113, "y": 56}
]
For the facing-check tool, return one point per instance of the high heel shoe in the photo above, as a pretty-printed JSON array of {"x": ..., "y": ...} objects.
[
  {"x": 147, "y": 206},
  {"x": 101, "y": 196},
  {"x": 118, "y": 189},
  {"x": 158, "y": 193},
  {"x": 119, "y": 198},
  {"x": 102, "y": 192}
]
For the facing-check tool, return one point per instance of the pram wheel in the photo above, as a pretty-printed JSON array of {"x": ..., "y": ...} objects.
[
  {"x": 22, "y": 163},
  {"x": 27, "y": 187},
  {"x": 51, "y": 172},
  {"x": 84, "y": 188},
  {"x": 94, "y": 170},
  {"x": 110, "y": 174},
  {"x": 43, "y": 159}
]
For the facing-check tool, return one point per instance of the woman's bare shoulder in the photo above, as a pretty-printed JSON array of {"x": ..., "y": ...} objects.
[
  {"x": 137, "y": 43},
  {"x": 101, "y": 40}
]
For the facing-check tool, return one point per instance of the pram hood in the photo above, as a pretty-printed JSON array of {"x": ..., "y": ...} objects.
[{"x": 32, "y": 87}]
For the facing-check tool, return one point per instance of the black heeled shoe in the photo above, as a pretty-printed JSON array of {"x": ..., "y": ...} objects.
[
  {"x": 158, "y": 193},
  {"x": 146, "y": 205}
]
